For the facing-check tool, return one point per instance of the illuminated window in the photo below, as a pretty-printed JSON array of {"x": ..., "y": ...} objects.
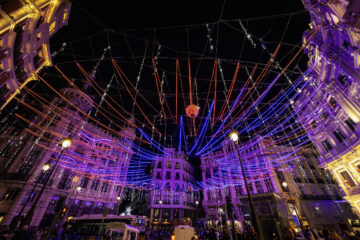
[
  {"x": 168, "y": 164},
  {"x": 177, "y": 165},
  {"x": 52, "y": 27},
  {"x": 347, "y": 180},
  {"x": 66, "y": 14},
  {"x": 332, "y": 102}
]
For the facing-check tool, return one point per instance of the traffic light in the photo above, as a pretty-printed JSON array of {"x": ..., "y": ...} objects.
[{"x": 64, "y": 210}]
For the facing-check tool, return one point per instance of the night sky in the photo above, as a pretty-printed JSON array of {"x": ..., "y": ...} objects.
[{"x": 183, "y": 30}]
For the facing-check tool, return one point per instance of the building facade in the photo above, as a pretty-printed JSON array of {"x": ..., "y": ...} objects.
[
  {"x": 174, "y": 200},
  {"x": 332, "y": 115},
  {"x": 90, "y": 175},
  {"x": 25, "y": 30},
  {"x": 287, "y": 188}
]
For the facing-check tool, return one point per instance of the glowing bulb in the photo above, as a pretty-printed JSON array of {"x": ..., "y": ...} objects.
[
  {"x": 234, "y": 135},
  {"x": 284, "y": 184},
  {"x": 78, "y": 189},
  {"x": 46, "y": 166},
  {"x": 160, "y": 202},
  {"x": 65, "y": 143},
  {"x": 118, "y": 198}
]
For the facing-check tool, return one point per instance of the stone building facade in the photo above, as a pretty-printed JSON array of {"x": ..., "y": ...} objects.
[
  {"x": 90, "y": 175},
  {"x": 309, "y": 196},
  {"x": 25, "y": 30},
  {"x": 174, "y": 200},
  {"x": 332, "y": 115}
]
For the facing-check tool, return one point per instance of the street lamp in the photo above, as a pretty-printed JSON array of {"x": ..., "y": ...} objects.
[
  {"x": 234, "y": 136},
  {"x": 65, "y": 144},
  {"x": 46, "y": 166},
  {"x": 285, "y": 185}
]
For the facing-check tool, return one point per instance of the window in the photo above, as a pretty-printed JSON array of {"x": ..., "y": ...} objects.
[
  {"x": 326, "y": 145},
  {"x": 238, "y": 190},
  {"x": 324, "y": 116},
  {"x": 218, "y": 194},
  {"x": 339, "y": 135},
  {"x": 11, "y": 194},
  {"x": 168, "y": 164},
  {"x": 332, "y": 102},
  {"x": 168, "y": 175},
  {"x": 209, "y": 195},
  {"x": 84, "y": 182},
  {"x": 351, "y": 124},
  {"x": 269, "y": 185},
  {"x": 159, "y": 165},
  {"x": 342, "y": 78},
  {"x": 104, "y": 187},
  {"x": 347, "y": 180},
  {"x": 177, "y": 165},
  {"x": 95, "y": 185},
  {"x": 251, "y": 188},
  {"x": 259, "y": 187},
  {"x": 176, "y": 199},
  {"x": 177, "y": 176},
  {"x": 158, "y": 175}
]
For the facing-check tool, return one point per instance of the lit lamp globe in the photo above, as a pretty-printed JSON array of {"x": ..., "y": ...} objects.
[
  {"x": 118, "y": 198},
  {"x": 46, "y": 167},
  {"x": 192, "y": 111},
  {"x": 234, "y": 136},
  {"x": 284, "y": 184},
  {"x": 75, "y": 179},
  {"x": 78, "y": 189},
  {"x": 66, "y": 143}
]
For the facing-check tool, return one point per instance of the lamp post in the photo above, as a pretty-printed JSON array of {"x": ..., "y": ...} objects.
[
  {"x": 118, "y": 198},
  {"x": 285, "y": 185},
  {"x": 65, "y": 144},
  {"x": 234, "y": 136}
]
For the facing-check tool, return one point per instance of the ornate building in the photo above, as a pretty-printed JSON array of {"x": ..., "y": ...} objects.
[
  {"x": 332, "y": 113},
  {"x": 25, "y": 30},
  {"x": 89, "y": 177},
  {"x": 287, "y": 188},
  {"x": 174, "y": 200}
]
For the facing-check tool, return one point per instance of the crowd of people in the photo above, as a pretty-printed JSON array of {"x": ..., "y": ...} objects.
[{"x": 26, "y": 233}]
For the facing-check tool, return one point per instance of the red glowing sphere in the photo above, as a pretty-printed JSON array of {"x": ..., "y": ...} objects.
[{"x": 192, "y": 111}]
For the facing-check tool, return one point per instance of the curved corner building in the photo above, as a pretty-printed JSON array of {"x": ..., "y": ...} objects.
[
  {"x": 332, "y": 115},
  {"x": 25, "y": 30}
]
